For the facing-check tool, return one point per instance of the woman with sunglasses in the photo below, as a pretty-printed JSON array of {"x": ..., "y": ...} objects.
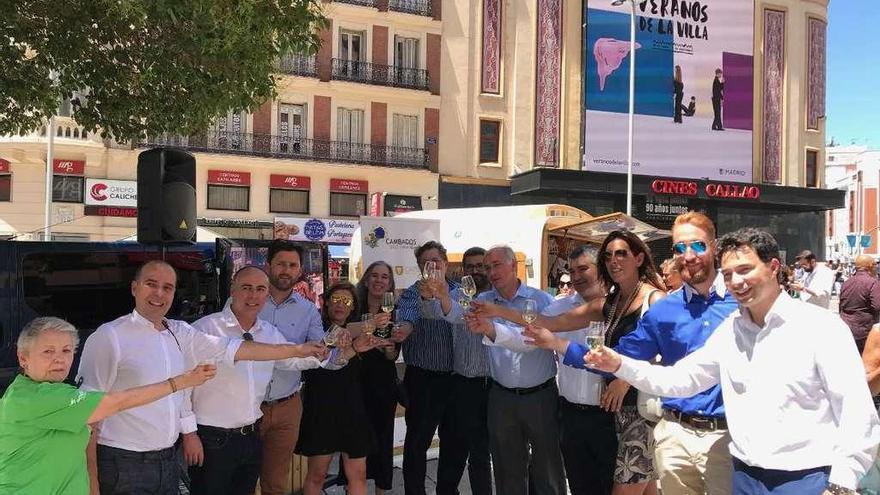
[
  {"x": 379, "y": 374},
  {"x": 334, "y": 418},
  {"x": 627, "y": 268}
]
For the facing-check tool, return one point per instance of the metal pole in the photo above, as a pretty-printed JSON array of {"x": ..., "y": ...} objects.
[
  {"x": 632, "y": 94},
  {"x": 50, "y": 150}
]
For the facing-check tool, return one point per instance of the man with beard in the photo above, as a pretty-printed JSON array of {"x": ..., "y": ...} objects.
[
  {"x": 298, "y": 320},
  {"x": 815, "y": 287},
  {"x": 801, "y": 417},
  {"x": 469, "y": 440}
]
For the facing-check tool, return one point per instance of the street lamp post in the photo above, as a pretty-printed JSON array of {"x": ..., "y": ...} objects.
[{"x": 632, "y": 97}]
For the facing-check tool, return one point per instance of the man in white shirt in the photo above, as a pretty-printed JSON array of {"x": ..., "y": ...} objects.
[
  {"x": 799, "y": 412},
  {"x": 818, "y": 279},
  {"x": 136, "y": 448},
  {"x": 225, "y": 454},
  {"x": 587, "y": 436}
]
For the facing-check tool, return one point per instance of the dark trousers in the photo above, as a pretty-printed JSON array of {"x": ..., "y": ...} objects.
[
  {"x": 380, "y": 465},
  {"x": 469, "y": 442},
  {"x": 716, "y": 107},
  {"x": 589, "y": 448},
  {"x": 678, "y": 107},
  {"x": 750, "y": 480},
  {"x": 429, "y": 394},
  {"x": 232, "y": 462},
  {"x": 125, "y": 472},
  {"x": 516, "y": 424}
]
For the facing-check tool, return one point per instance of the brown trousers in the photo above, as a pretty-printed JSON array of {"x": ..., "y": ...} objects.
[{"x": 279, "y": 432}]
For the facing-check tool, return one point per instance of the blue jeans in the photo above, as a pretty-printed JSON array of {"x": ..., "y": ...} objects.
[
  {"x": 125, "y": 472},
  {"x": 750, "y": 480}
]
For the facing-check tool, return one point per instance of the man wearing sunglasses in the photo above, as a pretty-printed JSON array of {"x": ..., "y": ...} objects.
[{"x": 691, "y": 452}]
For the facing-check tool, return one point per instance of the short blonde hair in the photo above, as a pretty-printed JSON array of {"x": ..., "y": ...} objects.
[{"x": 37, "y": 326}]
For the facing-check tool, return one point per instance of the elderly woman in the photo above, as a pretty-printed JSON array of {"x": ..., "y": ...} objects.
[{"x": 44, "y": 422}]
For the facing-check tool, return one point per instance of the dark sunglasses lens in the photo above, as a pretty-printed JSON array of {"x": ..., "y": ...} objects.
[
  {"x": 699, "y": 247},
  {"x": 679, "y": 248},
  {"x": 247, "y": 336}
]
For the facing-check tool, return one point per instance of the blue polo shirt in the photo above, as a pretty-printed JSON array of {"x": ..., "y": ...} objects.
[{"x": 674, "y": 327}]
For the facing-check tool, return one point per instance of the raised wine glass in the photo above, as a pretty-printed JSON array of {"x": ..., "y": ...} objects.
[
  {"x": 388, "y": 302},
  {"x": 331, "y": 339},
  {"x": 369, "y": 325},
  {"x": 595, "y": 335},
  {"x": 530, "y": 311}
]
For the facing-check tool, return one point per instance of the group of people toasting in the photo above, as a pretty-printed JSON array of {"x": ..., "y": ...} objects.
[{"x": 761, "y": 393}]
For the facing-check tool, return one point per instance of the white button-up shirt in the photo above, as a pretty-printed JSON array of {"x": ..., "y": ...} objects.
[
  {"x": 232, "y": 398},
  {"x": 130, "y": 352},
  {"x": 576, "y": 385},
  {"x": 794, "y": 390},
  {"x": 820, "y": 281}
]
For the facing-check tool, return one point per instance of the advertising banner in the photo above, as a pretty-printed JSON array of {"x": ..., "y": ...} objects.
[
  {"x": 106, "y": 192},
  {"x": 693, "y": 88},
  {"x": 394, "y": 241},
  {"x": 315, "y": 229}
]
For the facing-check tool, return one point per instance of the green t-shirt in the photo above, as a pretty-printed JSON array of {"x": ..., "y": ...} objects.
[{"x": 43, "y": 438}]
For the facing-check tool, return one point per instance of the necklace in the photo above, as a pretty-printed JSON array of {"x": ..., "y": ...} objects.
[{"x": 614, "y": 318}]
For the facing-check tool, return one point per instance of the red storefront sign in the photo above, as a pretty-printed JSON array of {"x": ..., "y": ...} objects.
[
  {"x": 4, "y": 166},
  {"x": 712, "y": 189},
  {"x": 675, "y": 187},
  {"x": 69, "y": 167},
  {"x": 229, "y": 178},
  {"x": 111, "y": 211},
  {"x": 349, "y": 186},
  {"x": 289, "y": 182}
]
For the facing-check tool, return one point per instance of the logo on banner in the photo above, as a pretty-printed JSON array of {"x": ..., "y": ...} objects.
[
  {"x": 66, "y": 167},
  {"x": 373, "y": 237},
  {"x": 97, "y": 192},
  {"x": 398, "y": 269},
  {"x": 314, "y": 230}
]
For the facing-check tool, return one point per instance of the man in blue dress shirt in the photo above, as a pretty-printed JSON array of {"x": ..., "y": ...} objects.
[
  {"x": 522, "y": 411},
  {"x": 691, "y": 451}
]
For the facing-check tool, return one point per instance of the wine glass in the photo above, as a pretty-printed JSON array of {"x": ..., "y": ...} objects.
[
  {"x": 530, "y": 311},
  {"x": 595, "y": 335},
  {"x": 429, "y": 269},
  {"x": 388, "y": 302},
  {"x": 369, "y": 326},
  {"x": 331, "y": 339},
  {"x": 469, "y": 286}
]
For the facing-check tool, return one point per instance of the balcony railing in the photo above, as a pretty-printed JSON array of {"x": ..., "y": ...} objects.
[
  {"x": 298, "y": 65},
  {"x": 295, "y": 149},
  {"x": 417, "y": 7},
  {"x": 382, "y": 75},
  {"x": 362, "y": 3}
]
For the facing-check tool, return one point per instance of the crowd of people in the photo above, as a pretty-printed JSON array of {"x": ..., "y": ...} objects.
[{"x": 705, "y": 376}]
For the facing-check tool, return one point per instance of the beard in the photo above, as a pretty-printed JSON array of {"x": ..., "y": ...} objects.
[
  {"x": 281, "y": 283},
  {"x": 694, "y": 275}
]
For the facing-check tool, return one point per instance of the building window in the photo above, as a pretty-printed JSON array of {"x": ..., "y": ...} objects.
[
  {"x": 291, "y": 127},
  {"x": 350, "y": 125},
  {"x": 812, "y": 172},
  {"x": 229, "y": 197},
  {"x": 490, "y": 131},
  {"x": 351, "y": 46},
  {"x": 347, "y": 204},
  {"x": 6, "y": 187},
  {"x": 67, "y": 188},
  {"x": 288, "y": 201},
  {"x": 405, "y": 131},
  {"x": 406, "y": 52},
  {"x": 230, "y": 130}
]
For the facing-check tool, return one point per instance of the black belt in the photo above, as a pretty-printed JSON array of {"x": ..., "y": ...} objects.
[
  {"x": 526, "y": 390},
  {"x": 151, "y": 455},
  {"x": 696, "y": 421},
  {"x": 581, "y": 407},
  {"x": 279, "y": 401},
  {"x": 241, "y": 430}
]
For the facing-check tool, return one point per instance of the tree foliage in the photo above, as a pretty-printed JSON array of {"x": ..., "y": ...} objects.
[{"x": 148, "y": 66}]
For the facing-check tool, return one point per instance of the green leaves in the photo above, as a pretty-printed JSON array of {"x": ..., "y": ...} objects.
[{"x": 147, "y": 66}]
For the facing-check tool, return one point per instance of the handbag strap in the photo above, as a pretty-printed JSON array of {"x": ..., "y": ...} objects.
[{"x": 646, "y": 303}]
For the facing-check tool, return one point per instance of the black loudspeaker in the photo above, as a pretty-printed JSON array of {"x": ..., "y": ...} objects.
[{"x": 166, "y": 196}]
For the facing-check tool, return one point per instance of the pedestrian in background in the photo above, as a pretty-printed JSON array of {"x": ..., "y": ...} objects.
[{"x": 860, "y": 300}]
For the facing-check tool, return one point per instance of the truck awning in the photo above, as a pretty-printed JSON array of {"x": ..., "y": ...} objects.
[{"x": 596, "y": 229}]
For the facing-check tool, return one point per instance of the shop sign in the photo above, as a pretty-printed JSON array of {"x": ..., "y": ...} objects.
[
  {"x": 4, "y": 166},
  {"x": 277, "y": 181},
  {"x": 110, "y": 211},
  {"x": 349, "y": 186},
  {"x": 395, "y": 205},
  {"x": 105, "y": 192},
  {"x": 229, "y": 178},
  {"x": 676, "y": 187},
  {"x": 69, "y": 167},
  {"x": 315, "y": 229},
  {"x": 665, "y": 207},
  {"x": 733, "y": 191}
]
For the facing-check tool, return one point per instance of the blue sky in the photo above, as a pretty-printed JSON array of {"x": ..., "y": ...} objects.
[{"x": 853, "y": 104}]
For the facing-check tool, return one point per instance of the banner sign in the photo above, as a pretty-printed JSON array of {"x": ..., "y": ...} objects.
[
  {"x": 694, "y": 94},
  {"x": 395, "y": 204},
  {"x": 69, "y": 167},
  {"x": 229, "y": 178},
  {"x": 394, "y": 240},
  {"x": 277, "y": 181},
  {"x": 110, "y": 211},
  {"x": 106, "y": 192},
  {"x": 315, "y": 229},
  {"x": 349, "y": 186}
]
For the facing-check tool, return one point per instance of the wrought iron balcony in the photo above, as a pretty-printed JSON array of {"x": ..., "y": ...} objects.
[
  {"x": 298, "y": 65},
  {"x": 382, "y": 75},
  {"x": 267, "y": 145},
  {"x": 362, "y": 3},
  {"x": 417, "y": 7}
]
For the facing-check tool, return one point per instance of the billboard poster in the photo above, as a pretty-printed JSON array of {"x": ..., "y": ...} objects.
[
  {"x": 315, "y": 229},
  {"x": 394, "y": 241},
  {"x": 693, "y": 88}
]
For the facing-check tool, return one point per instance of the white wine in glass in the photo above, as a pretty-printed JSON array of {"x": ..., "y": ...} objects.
[
  {"x": 530, "y": 311},
  {"x": 596, "y": 335},
  {"x": 369, "y": 326},
  {"x": 331, "y": 339},
  {"x": 468, "y": 286},
  {"x": 429, "y": 269},
  {"x": 388, "y": 302}
]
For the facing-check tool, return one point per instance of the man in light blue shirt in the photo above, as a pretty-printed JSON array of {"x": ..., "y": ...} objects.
[{"x": 522, "y": 411}]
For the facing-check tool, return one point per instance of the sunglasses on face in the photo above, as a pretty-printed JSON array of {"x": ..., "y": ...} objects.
[
  {"x": 699, "y": 247},
  {"x": 565, "y": 284},
  {"x": 347, "y": 301},
  {"x": 617, "y": 253}
]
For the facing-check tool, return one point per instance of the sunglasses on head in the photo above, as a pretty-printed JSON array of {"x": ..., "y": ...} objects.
[
  {"x": 340, "y": 299},
  {"x": 617, "y": 253},
  {"x": 681, "y": 247}
]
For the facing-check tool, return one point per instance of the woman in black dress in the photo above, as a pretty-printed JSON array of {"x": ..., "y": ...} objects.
[
  {"x": 678, "y": 91},
  {"x": 334, "y": 418},
  {"x": 379, "y": 375}
]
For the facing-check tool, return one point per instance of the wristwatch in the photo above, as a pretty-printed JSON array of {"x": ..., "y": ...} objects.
[{"x": 835, "y": 489}]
